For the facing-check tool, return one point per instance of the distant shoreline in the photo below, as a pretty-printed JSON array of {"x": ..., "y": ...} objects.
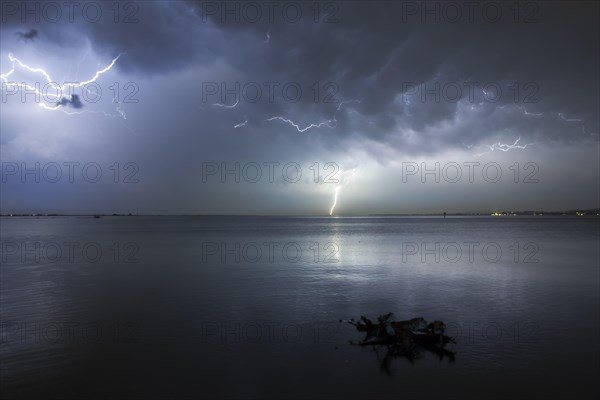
[{"x": 576, "y": 212}]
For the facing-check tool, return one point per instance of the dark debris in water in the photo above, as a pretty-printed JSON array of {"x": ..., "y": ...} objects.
[{"x": 407, "y": 339}]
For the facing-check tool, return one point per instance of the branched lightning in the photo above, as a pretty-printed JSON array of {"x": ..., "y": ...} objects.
[
  {"x": 330, "y": 123},
  {"x": 59, "y": 88},
  {"x": 49, "y": 80},
  {"x": 507, "y": 147},
  {"x": 502, "y": 146},
  {"x": 301, "y": 130}
]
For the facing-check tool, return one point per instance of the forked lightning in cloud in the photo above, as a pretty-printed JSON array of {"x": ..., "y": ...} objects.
[
  {"x": 330, "y": 123},
  {"x": 59, "y": 88},
  {"x": 327, "y": 123},
  {"x": 502, "y": 146},
  {"x": 507, "y": 147}
]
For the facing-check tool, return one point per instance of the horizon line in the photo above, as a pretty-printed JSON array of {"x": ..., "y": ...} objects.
[{"x": 574, "y": 211}]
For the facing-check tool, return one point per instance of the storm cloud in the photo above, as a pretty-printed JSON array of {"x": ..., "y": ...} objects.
[
  {"x": 29, "y": 35},
  {"x": 356, "y": 83}
]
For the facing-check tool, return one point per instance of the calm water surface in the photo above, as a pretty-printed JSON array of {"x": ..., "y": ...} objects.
[{"x": 248, "y": 307}]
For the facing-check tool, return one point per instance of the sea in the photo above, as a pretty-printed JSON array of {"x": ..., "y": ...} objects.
[{"x": 247, "y": 307}]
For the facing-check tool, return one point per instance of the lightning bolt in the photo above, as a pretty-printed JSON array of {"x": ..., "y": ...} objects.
[
  {"x": 551, "y": 117},
  {"x": 226, "y": 106},
  {"x": 501, "y": 146},
  {"x": 60, "y": 88},
  {"x": 339, "y": 107},
  {"x": 562, "y": 116},
  {"x": 241, "y": 124},
  {"x": 583, "y": 130},
  {"x": 302, "y": 130},
  {"x": 335, "y": 197},
  {"x": 529, "y": 113},
  {"x": 342, "y": 181},
  {"x": 120, "y": 112},
  {"x": 507, "y": 147},
  {"x": 330, "y": 123}
]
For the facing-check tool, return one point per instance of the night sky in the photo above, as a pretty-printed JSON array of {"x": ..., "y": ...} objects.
[{"x": 359, "y": 92}]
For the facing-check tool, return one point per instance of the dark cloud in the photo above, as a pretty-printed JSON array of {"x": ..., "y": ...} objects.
[
  {"x": 29, "y": 35},
  {"x": 544, "y": 69},
  {"x": 375, "y": 52},
  {"x": 73, "y": 101}
]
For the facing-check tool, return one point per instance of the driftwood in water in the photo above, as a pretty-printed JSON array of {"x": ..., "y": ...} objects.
[{"x": 404, "y": 338}]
